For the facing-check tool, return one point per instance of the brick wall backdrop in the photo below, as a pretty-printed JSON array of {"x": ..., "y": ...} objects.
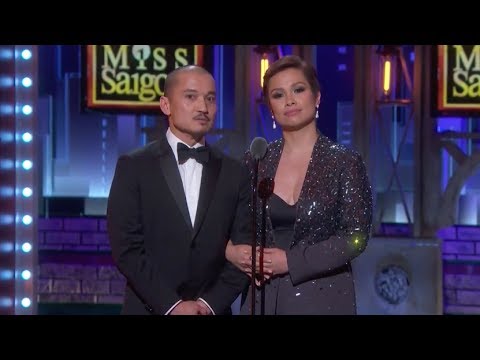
[
  {"x": 461, "y": 269},
  {"x": 75, "y": 265}
]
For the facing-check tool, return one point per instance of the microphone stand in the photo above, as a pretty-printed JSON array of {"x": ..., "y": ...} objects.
[
  {"x": 265, "y": 190},
  {"x": 254, "y": 237},
  {"x": 258, "y": 149}
]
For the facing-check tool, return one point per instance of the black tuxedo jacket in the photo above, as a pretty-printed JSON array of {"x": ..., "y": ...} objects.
[{"x": 163, "y": 257}]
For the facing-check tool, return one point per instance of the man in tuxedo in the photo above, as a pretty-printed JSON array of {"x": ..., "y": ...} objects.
[{"x": 172, "y": 207}]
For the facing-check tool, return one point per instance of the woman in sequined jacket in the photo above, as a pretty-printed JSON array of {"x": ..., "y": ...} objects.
[{"x": 319, "y": 216}]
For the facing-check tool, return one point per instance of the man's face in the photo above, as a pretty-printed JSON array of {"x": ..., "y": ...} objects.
[{"x": 191, "y": 105}]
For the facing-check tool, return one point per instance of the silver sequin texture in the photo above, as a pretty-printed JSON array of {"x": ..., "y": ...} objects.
[{"x": 332, "y": 226}]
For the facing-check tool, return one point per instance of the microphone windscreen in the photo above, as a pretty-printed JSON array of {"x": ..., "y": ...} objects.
[{"x": 258, "y": 148}]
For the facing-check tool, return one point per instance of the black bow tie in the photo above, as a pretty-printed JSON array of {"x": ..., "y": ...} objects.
[{"x": 201, "y": 154}]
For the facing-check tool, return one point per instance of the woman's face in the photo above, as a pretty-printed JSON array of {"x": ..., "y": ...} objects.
[{"x": 291, "y": 99}]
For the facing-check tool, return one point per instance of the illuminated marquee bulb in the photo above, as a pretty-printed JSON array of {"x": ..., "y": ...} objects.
[
  {"x": 387, "y": 74},
  {"x": 263, "y": 68},
  {"x": 26, "y": 302}
]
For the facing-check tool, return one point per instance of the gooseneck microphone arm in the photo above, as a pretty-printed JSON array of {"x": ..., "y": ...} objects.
[{"x": 258, "y": 149}]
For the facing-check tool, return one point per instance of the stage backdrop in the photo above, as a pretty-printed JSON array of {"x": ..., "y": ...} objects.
[
  {"x": 132, "y": 77},
  {"x": 458, "y": 80},
  {"x": 399, "y": 276}
]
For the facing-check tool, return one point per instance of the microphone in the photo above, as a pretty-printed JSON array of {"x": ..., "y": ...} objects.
[{"x": 258, "y": 149}]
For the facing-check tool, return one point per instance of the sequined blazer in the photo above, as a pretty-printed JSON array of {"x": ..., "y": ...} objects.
[{"x": 332, "y": 226}]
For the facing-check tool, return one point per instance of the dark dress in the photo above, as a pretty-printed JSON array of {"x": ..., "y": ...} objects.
[
  {"x": 282, "y": 216},
  {"x": 321, "y": 234}
]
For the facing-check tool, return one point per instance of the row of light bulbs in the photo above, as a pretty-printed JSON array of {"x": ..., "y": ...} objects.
[{"x": 27, "y": 164}]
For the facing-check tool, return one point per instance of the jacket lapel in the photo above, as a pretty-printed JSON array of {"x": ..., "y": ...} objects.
[
  {"x": 268, "y": 166},
  {"x": 172, "y": 177},
  {"x": 207, "y": 189}
]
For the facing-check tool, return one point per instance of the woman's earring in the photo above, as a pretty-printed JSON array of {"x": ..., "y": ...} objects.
[
  {"x": 274, "y": 123},
  {"x": 316, "y": 113}
]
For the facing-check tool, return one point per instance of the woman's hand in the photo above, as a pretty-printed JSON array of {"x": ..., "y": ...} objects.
[
  {"x": 274, "y": 262},
  {"x": 240, "y": 256}
]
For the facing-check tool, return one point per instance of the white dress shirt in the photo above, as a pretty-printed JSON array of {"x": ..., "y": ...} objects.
[{"x": 191, "y": 174}]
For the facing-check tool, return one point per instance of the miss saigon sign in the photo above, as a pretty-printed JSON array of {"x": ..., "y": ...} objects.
[
  {"x": 132, "y": 77},
  {"x": 458, "y": 78}
]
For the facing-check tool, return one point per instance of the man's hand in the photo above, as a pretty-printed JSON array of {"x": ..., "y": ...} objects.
[
  {"x": 205, "y": 309},
  {"x": 240, "y": 256},
  {"x": 188, "y": 308}
]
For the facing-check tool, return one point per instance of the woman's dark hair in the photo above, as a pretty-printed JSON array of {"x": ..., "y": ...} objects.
[{"x": 291, "y": 62}]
